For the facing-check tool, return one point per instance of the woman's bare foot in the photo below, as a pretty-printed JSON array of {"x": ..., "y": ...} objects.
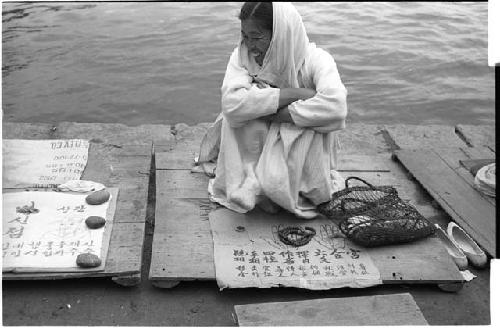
[{"x": 243, "y": 198}]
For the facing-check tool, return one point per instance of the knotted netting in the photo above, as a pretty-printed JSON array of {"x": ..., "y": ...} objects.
[{"x": 375, "y": 215}]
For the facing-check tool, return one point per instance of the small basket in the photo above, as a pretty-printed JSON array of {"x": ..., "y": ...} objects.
[
  {"x": 353, "y": 200},
  {"x": 375, "y": 216}
]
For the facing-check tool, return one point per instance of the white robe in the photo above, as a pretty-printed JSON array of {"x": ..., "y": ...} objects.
[{"x": 293, "y": 165}]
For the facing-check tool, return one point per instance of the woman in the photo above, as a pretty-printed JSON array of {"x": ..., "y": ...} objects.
[{"x": 282, "y": 101}]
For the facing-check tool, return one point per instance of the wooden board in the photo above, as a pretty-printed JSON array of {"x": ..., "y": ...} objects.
[
  {"x": 473, "y": 165},
  {"x": 115, "y": 165},
  {"x": 178, "y": 156},
  {"x": 453, "y": 157},
  {"x": 456, "y": 196},
  {"x": 358, "y": 138},
  {"x": 108, "y": 229},
  {"x": 182, "y": 241},
  {"x": 183, "y": 249},
  {"x": 180, "y": 184},
  {"x": 384, "y": 310},
  {"x": 183, "y": 246},
  {"x": 124, "y": 257},
  {"x": 182, "y": 158}
]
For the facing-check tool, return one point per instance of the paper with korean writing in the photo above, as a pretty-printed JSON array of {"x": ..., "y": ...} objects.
[
  {"x": 53, "y": 237},
  {"x": 255, "y": 256},
  {"x": 42, "y": 163}
]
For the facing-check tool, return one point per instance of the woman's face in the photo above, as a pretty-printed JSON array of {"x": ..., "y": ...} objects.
[{"x": 256, "y": 39}]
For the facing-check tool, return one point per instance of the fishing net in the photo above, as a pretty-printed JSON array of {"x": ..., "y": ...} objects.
[{"x": 374, "y": 216}]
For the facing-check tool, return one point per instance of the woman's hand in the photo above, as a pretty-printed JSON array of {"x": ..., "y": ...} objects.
[
  {"x": 283, "y": 116},
  {"x": 306, "y": 93},
  {"x": 261, "y": 85},
  {"x": 268, "y": 118},
  {"x": 289, "y": 95}
]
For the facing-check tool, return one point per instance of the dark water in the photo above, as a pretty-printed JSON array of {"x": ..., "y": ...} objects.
[{"x": 137, "y": 63}]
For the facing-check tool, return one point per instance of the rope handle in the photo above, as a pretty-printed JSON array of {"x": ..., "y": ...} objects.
[
  {"x": 380, "y": 188},
  {"x": 346, "y": 200},
  {"x": 356, "y": 178}
]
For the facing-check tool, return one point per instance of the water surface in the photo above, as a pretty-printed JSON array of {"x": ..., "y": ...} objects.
[{"x": 138, "y": 63}]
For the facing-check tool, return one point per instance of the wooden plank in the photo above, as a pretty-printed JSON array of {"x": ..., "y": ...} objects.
[
  {"x": 125, "y": 248},
  {"x": 126, "y": 168},
  {"x": 366, "y": 163},
  {"x": 452, "y": 157},
  {"x": 164, "y": 147},
  {"x": 407, "y": 189},
  {"x": 130, "y": 166},
  {"x": 180, "y": 226},
  {"x": 181, "y": 184},
  {"x": 133, "y": 161},
  {"x": 473, "y": 165},
  {"x": 117, "y": 158},
  {"x": 180, "y": 157},
  {"x": 124, "y": 256},
  {"x": 358, "y": 138},
  {"x": 194, "y": 185},
  {"x": 464, "y": 204},
  {"x": 108, "y": 228},
  {"x": 386, "y": 310},
  {"x": 182, "y": 241},
  {"x": 424, "y": 261},
  {"x": 180, "y": 154},
  {"x": 183, "y": 246},
  {"x": 478, "y": 152}
]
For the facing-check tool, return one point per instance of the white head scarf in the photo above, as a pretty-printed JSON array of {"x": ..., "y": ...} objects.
[{"x": 286, "y": 52}]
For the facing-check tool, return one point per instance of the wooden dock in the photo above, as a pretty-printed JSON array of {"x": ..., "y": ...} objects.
[
  {"x": 182, "y": 249},
  {"x": 118, "y": 157},
  {"x": 438, "y": 159},
  {"x": 452, "y": 186},
  {"x": 182, "y": 243}
]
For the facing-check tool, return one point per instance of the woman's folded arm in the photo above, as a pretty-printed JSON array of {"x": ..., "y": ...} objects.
[
  {"x": 327, "y": 110},
  {"x": 242, "y": 99}
]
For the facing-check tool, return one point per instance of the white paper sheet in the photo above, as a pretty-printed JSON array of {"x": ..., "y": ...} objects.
[
  {"x": 42, "y": 163},
  {"x": 53, "y": 237},
  {"x": 256, "y": 257}
]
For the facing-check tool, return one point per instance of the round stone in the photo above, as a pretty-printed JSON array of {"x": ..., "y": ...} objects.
[
  {"x": 98, "y": 197},
  {"x": 95, "y": 222},
  {"x": 88, "y": 260}
]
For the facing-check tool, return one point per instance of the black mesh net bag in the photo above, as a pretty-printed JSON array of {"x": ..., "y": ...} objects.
[{"x": 375, "y": 215}]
